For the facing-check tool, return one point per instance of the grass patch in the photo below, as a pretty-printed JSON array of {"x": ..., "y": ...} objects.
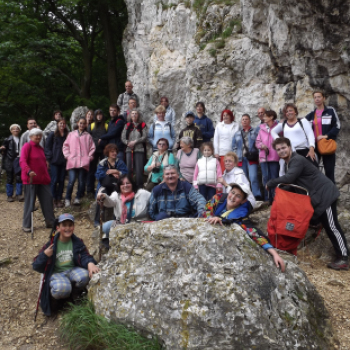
[
  {"x": 212, "y": 52},
  {"x": 82, "y": 329}
]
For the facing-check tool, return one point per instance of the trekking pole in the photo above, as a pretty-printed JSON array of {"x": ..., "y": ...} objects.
[
  {"x": 42, "y": 283},
  {"x": 33, "y": 207},
  {"x": 100, "y": 202}
]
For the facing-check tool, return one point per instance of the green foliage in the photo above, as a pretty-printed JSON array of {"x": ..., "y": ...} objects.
[
  {"x": 212, "y": 52},
  {"x": 220, "y": 44},
  {"x": 82, "y": 329}
]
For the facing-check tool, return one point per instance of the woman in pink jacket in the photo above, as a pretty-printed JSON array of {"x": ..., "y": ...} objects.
[
  {"x": 78, "y": 149},
  {"x": 268, "y": 157}
]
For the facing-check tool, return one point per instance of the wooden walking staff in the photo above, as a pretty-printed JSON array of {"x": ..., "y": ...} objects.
[{"x": 32, "y": 209}]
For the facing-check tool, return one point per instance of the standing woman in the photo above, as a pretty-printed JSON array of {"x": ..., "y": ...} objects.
[
  {"x": 268, "y": 157},
  {"x": 54, "y": 155},
  {"x": 134, "y": 136},
  {"x": 328, "y": 126},
  {"x": 36, "y": 180},
  {"x": 10, "y": 150},
  {"x": 96, "y": 129},
  {"x": 169, "y": 112},
  {"x": 203, "y": 122},
  {"x": 52, "y": 126},
  {"x": 89, "y": 116},
  {"x": 224, "y": 132},
  {"x": 79, "y": 150},
  {"x": 298, "y": 131}
]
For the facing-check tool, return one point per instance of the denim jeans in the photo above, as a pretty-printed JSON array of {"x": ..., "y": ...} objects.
[
  {"x": 270, "y": 170},
  {"x": 58, "y": 173},
  {"x": 9, "y": 184},
  {"x": 207, "y": 192},
  {"x": 251, "y": 172},
  {"x": 106, "y": 227},
  {"x": 73, "y": 174}
]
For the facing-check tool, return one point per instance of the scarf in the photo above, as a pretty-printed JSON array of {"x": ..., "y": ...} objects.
[
  {"x": 131, "y": 126},
  {"x": 124, "y": 214}
]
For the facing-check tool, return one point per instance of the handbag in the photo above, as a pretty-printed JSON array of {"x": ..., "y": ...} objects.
[
  {"x": 324, "y": 146},
  {"x": 253, "y": 156}
]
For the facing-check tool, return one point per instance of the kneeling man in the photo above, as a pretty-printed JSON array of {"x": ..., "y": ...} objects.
[
  {"x": 174, "y": 198},
  {"x": 323, "y": 193}
]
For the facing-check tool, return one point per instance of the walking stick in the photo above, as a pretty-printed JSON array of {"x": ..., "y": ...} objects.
[
  {"x": 33, "y": 207},
  {"x": 100, "y": 202}
]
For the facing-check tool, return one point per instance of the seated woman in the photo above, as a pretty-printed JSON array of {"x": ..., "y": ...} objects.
[
  {"x": 128, "y": 204},
  {"x": 234, "y": 174},
  {"x": 157, "y": 162},
  {"x": 226, "y": 209}
]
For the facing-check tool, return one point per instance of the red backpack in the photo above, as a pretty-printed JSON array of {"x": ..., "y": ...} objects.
[{"x": 289, "y": 219}]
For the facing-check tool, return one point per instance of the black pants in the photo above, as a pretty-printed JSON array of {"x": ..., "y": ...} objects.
[
  {"x": 335, "y": 233},
  {"x": 135, "y": 165},
  {"x": 303, "y": 152},
  {"x": 329, "y": 165}
]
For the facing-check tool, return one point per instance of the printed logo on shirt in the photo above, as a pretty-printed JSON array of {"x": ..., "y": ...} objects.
[{"x": 65, "y": 256}]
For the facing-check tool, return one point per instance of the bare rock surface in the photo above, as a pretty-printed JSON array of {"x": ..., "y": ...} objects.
[{"x": 198, "y": 286}]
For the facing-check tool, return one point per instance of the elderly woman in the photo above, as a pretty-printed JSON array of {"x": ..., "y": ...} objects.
[
  {"x": 10, "y": 150},
  {"x": 243, "y": 144},
  {"x": 36, "y": 180},
  {"x": 187, "y": 158},
  {"x": 224, "y": 132},
  {"x": 156, "y": 163},
  {"x": 161, "y": 129},
  {"x": 134, "y": 136},
  {"x": 128, "y": 203}
]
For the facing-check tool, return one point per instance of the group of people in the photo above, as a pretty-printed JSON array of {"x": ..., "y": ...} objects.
[{"x": 204, "y": 172}]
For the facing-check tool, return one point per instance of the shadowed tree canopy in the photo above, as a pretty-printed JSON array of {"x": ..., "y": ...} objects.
[{"x": 59, "y": 54}]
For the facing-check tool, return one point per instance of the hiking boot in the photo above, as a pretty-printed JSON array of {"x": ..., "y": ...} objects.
[
  {"x": 341, "y": 263},
  {"x": 59, "y": 204},
  {"x": 10, "y": 199},
  {"x": 76, "y": 201},
  {"x": 26, "y": 229},
  {"x": 20, "y": 198},
  {"x": 67, "y": 203}
]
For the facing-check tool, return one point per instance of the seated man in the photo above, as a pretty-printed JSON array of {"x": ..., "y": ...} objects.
[
  {"x": 174, "y": 198},
  {"x": 323, "y": 193},
  {"x": 233, "y": 207}
]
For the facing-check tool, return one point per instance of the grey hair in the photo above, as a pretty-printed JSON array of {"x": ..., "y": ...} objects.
[
  {"x": 170, "y": 166},
  {"x": 187, "y": 140},
  {"x": 35, "y": 131}
]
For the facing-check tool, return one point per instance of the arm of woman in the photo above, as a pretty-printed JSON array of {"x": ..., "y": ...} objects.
[
  {"x": 335, "y": 125},
  {"x": 195, "y": 176},
  {"x": 124, "y": 140},
  {"x": 276, "y": 130},
  {"x": 143, "y": 137},
  {"x": 66, "y": 148},
  {"x": 258, "y": 143},
  {"x": 49, "y": 146},
  {"x": 218, "y": 173},
  {"x": 147, "y": 168},
  {"x": 92, "y": 147},
  {"x": 277, "y": 259},
  {"x": 216, "y": 141},
  {"x": 310, "y": 137},
  {"x": 121, "y": 166},
  {"x": 23, "y": 160}
]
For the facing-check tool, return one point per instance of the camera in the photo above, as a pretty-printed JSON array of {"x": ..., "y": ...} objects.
[{"x": 156, "y": 169}]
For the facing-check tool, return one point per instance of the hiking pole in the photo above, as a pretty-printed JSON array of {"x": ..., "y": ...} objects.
[
  {"x": 100, "y": 202},
  {"x": 33, "y": 206}
]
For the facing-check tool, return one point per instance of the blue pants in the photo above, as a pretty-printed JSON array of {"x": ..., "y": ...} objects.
[
  {"x": 73, "y": 174},
  {"x": 58, "y": 173},
  {"x": 61, "y": 283},
  {"x": 106, "y": 227},
  {"x": 270, "y": 170},
  {"x": 251, "y": 172},
  {"x": 207, "y": 192},
  {"x": 10, "y": 177}
]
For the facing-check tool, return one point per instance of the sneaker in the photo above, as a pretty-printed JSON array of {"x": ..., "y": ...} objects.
[
  {"x": 10, "y": 199},
  {"x": 67, "y": 203},
  {"x": 26, "y": 229},
  {"x": 76, "y": 201},
  {"x": 341, "y": 263},
  {"x": 20, "y": 198}
]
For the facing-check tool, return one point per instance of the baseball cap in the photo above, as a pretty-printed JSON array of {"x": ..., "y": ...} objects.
[
  {"x": 243, "y": 187},
  {"x": 64, "y": 217},
  {"x": 190, "y": 114}
]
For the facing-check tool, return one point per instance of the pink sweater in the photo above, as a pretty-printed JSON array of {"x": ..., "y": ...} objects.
[
  {"x": 218, "y": 174},
  {"x": 33, "y": 159}
]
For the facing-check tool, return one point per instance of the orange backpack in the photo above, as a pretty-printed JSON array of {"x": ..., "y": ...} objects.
[{"x": 289, "y": 219}]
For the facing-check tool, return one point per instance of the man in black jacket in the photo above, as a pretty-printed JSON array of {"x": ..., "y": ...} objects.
[
  {"x": 115, "y": 130},
  {"x": 323, "y": 193}
]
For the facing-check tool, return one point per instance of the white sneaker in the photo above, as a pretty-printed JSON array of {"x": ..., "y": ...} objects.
[
  {"x": 67, "y": 203},
  {"x": 76, "y": 201}
]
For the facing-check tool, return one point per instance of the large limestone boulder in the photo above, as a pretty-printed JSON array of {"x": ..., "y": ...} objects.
[{"x": 198, "y": 286}]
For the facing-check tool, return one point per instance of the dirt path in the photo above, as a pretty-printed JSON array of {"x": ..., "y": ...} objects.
[{"x": 19, "y": 284}]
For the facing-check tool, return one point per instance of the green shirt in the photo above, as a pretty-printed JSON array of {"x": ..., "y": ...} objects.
[{"x": 64, "y": 256}]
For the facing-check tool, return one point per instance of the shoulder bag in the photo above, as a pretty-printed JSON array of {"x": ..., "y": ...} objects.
[{"x": 324, "y": 146}]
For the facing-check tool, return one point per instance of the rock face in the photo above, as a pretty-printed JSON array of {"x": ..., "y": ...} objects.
[
  {"x": 241, "y": 55},
  {"x": 197, "y": 286}
]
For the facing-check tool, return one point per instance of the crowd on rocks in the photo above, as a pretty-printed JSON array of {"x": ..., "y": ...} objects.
[{"x": 204, "y": 171}]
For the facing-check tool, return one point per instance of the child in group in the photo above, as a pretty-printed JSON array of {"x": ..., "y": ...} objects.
[
  {"x": 192, "y": 131},
  {"x": 65, "y": 263},
  {"x": 233, "y": 207},
  {"x": 234, "y": 174},
  {"x": 207, "y": 172}
]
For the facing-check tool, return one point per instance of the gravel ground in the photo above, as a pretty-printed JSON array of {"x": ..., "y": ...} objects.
[{"x": 19, "y": 284}]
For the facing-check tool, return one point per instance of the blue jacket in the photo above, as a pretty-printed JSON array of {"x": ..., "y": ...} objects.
[
  {"x": 102, "y": 168},
  {"x": 237, "y": 142},
  {"x": 156, "y": 132},
  {"x": 206, "y": 126},
  {"x": 53, "y": 149},
  {"x": 114, "y": 133},
  {"x": 330, "y": 122},
  {"x": 185, "y": 201},
  {"x": 81, "y": 258}
]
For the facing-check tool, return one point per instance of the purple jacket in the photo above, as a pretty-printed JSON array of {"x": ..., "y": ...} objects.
[{"x": 265, "y": 138}]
